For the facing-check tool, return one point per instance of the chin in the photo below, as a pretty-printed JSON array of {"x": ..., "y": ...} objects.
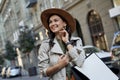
[{"x": 54, "y": 31}]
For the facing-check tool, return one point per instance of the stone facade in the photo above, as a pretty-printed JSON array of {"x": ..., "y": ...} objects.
[{"x": 81, "y": 10}]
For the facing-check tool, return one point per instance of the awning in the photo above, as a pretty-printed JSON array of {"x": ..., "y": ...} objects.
[{"x": 114, "y": 12}]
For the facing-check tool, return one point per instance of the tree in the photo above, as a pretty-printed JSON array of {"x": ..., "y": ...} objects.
[
  {"x": 10, "y": 51},
  {"x": 26, "y": 40},
  {"x": 1, "y": 60}
]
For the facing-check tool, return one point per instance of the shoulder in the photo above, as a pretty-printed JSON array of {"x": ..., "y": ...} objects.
[
  {"x": 44, "y": 45},
  {"x": 45, "y": 42},
  {"x": 75, "y": 38}
]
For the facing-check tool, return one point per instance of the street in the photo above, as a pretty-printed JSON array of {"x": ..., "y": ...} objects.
[
  {"x": 29, "y": 78},
  {"x": 25, "y": 78}
]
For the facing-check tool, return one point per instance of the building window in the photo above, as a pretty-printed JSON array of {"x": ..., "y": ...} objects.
[
  {"x": 96, "y": 30},
  {"x": 95, "y": 23}
]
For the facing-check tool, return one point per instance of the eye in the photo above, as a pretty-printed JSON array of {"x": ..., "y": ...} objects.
[{"x": 56, "y": 20}]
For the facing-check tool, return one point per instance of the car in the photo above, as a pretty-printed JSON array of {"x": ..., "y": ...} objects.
[
  {"x": 0, "y": 70},
  {"x": 3, "y": 72},
  {"x": 103, "y": 55},
  {"x": 115, "y": 51},
  {"x": 13, "y": 71},
  {"x": 115, "y": 48}
]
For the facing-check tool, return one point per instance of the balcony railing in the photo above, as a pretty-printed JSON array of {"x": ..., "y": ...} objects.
[{"x": 31, "y": 3}]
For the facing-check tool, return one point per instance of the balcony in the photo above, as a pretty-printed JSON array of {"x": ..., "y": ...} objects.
[{"x": 31, "y": 3}]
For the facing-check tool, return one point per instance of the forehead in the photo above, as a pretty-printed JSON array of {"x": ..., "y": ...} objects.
[
  {"x": 54, "y": 16},
  {"x": 57, "y": 15}
]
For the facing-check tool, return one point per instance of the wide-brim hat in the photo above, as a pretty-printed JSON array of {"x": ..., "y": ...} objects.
[{"x": 45, "y": 15}]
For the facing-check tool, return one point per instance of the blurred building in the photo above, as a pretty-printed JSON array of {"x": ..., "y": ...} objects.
[
  {"x": 115, "y": 12},
  {"x": 96, "y": 21}
]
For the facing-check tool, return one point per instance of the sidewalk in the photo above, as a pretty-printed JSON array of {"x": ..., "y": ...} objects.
[{"x": 37, "y": 77}]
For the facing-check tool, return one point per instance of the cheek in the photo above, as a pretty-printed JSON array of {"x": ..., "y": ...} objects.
[
  {"x": 61, "y": 25},
  {"x": 50, "y": 28}
]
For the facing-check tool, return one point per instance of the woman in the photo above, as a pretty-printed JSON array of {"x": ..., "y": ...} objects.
[{"x": 60, "y": 51}]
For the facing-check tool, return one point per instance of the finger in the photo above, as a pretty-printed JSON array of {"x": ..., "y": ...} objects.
[
  {"x": 62, "y": 30},
  {"x": 62, "y": 56}
]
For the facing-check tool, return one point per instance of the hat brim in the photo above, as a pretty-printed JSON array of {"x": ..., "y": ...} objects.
[{"x": 68, "y": 17}]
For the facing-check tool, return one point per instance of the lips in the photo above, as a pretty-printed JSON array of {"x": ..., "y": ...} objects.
[{"x": 54, "y": 27}]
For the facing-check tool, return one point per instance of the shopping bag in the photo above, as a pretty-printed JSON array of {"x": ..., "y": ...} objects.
[
  {"x": 78, "y": 75},
  {"x": 95, "y": 69}
]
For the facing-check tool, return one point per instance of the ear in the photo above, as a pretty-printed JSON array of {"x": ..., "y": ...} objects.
[{"x": 65, "y": 24}]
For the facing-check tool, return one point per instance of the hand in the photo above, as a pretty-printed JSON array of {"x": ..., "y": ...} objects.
[
  {"x": 64, "y": 35},
  {"x": 63, "y": 61}
]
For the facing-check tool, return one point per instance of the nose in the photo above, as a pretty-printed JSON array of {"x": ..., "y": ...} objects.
[{"x": 52, "y": 24}]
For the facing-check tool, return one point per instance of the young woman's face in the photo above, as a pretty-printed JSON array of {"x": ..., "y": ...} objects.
[{"x": 56, "y": 24}]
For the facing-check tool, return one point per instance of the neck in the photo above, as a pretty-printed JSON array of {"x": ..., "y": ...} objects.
[{"x": 58, "y": 36}]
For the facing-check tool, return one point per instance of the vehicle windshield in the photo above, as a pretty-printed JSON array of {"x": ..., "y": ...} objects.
[
  {"x": 91, "y": 50},
  {"x": 115, "y": 48}
]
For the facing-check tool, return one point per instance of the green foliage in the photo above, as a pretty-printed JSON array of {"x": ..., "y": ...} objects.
[
  {"x": 10, "y": 51},
  {"x": 1, "y": 60},
  {"x": 26, "y": 41}
]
